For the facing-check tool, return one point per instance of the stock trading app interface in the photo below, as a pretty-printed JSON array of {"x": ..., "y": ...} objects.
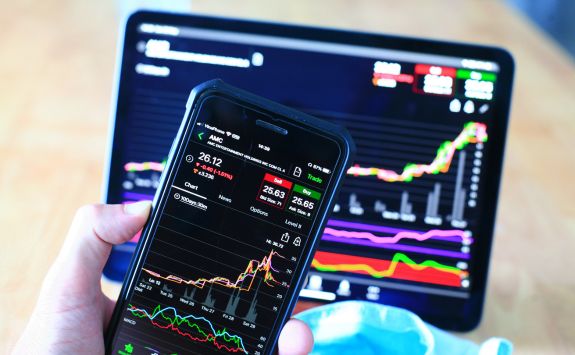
[
  {"x": 235, "y": 221},
  {"x": 404, "y": 230}
]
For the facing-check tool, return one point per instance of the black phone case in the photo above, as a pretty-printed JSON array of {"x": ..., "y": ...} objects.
[{"x": 217, "y": 86}]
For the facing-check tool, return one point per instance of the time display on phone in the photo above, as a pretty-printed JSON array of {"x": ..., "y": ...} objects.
[{"x": 232, "y": 225}]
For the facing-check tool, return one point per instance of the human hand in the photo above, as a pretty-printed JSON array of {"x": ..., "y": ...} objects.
[{"x": 72, "y": 312}]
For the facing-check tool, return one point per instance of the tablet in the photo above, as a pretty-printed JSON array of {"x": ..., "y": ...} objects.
[{"x": 413, "y": 225}]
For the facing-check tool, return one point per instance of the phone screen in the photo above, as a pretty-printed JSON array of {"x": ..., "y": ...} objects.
[{"x": 231, "y": 228}]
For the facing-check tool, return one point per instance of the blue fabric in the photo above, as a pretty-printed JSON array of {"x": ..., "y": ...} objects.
[{"x": 357, "y": 327}]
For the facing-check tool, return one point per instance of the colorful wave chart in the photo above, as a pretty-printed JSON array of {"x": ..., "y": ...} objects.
[
  {"x": 366, "y": 237},
  {"x": 145, "y": 166},
  {"x": 392, "y": 243},
  {"x": 434, "y": 233},
  {"x": 253, "y": 267},
  {"x": 168, "y": 318},
  {"x": 473, "y": 132},
  {"x": 400, "y": 267}
]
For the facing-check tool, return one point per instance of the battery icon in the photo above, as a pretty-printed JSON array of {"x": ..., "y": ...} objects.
[{"x": 325, "y": 170}]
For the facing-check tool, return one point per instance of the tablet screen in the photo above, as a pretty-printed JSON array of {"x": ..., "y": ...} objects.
[{"x": 409, "y": 225}]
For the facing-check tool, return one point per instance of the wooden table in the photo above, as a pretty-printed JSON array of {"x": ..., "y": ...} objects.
[{"x": 56, "y": 68}]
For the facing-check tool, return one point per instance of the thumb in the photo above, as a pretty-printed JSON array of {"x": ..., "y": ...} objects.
[
  {"x": 296, "y": 338},
  {"x": 94, "y": 230}
]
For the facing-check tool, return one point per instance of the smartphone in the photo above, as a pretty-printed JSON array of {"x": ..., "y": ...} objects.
[{"x": 243, "y": 200}]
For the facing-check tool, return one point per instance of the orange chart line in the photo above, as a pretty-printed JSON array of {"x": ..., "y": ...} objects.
[
  {"x": 253, "y": 267},
  {"x": 473, "y": 132}
]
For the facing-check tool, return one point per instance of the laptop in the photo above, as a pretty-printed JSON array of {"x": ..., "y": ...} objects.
[{"x": 413, "y": 225}]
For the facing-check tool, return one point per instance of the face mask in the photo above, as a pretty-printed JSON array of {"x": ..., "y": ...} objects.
[{"x": 357, "y": 327}]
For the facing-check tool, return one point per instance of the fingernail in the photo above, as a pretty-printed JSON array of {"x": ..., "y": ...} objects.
[{"x": 137, "y": 208}]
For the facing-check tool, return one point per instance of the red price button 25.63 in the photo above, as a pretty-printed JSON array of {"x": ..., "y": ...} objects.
[{"x": 274, "y": 191}]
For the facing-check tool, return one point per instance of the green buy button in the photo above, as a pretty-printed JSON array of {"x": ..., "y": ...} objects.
[{"x": 307, "y": 192}]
